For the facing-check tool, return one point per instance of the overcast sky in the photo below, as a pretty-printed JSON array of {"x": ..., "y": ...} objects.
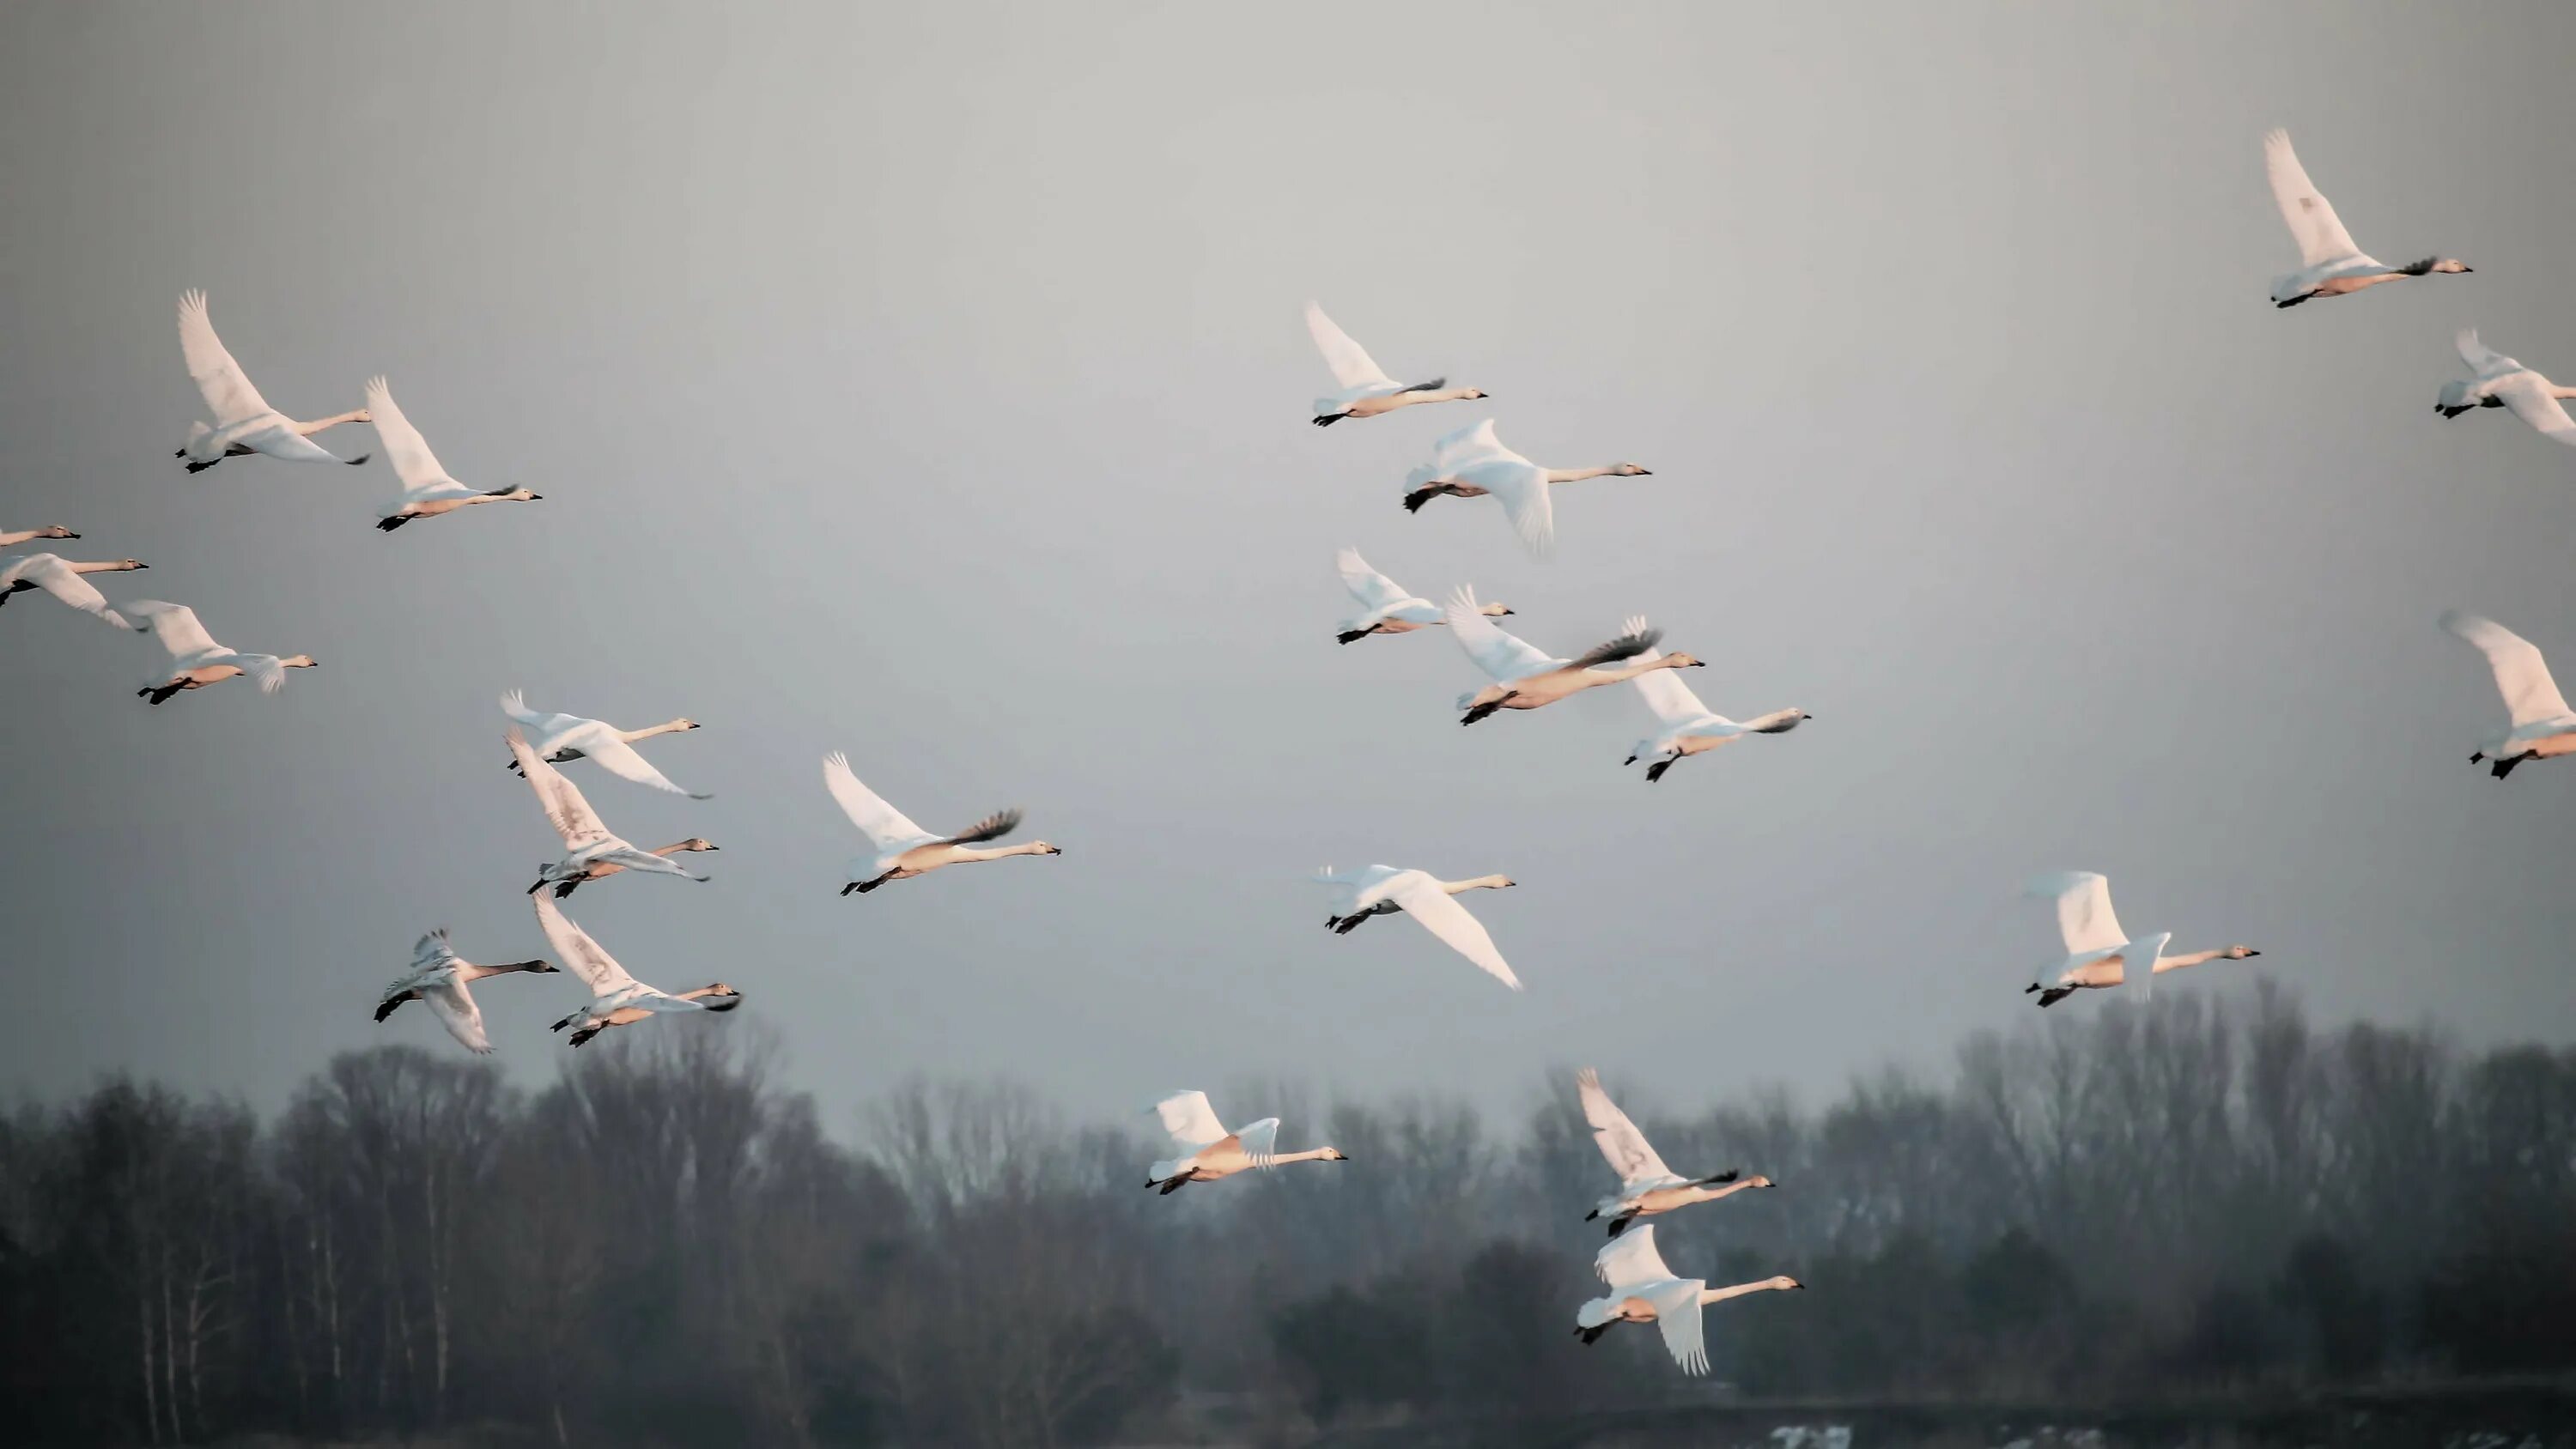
[{"x": 927, "y": 382}]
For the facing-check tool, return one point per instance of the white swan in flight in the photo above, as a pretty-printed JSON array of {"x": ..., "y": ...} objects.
[
  {"x": 1203, "y": 1151},
  {"x": 2497, "y": 381},
  {"x": 1473, "y": 463},
  {"x": 2097, "y": 950},
  {"x": 1383, "y": 889},
  {"x": 2541, "y": 726},
  {"x": 1366, "y": 390},
  {"x": 559, "y": 738},
  {"x": 1646, "y": 1186},
  {"x": 1643, "y": 1290},
  {"x": 603, "y": 869},
  {"x": 616, "y": 999},
  {"x": 12, "y": 537},
  {"x": 196, "y": 660},
  {"x": 1524, "y": 678},
  {"x": 244, "y": 422},
  {"x": 62, "y": 579},
  {"x": 905, "y": 850},
  {"x": 427, "y": 490},
  {"x": 1390, "y": 609},
  {"x": 2329, "y": 264},
  {"x": 587, "y": 843},
  {"x": 1689, "y": 728},
  {"x": 442, "y": 978}
]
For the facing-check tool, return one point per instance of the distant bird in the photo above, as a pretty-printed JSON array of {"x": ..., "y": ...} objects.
[
  {"x": 1524, "y": 678},
  {"x": 1643, "y": 1290},
  {"x": 1203, "y": 1151},
  {"x": 903, "y": 849},
  {"x": 427, "y": 490},
  {"x": 1473, "y": 463},
  {"x": 587, "y": 843},
  {"x": 2498, "y": 381},
  {"x": 2329, "y": 264},
  {"x": 2098, "y": 952},
  {"x": 1366, "y": 389},
  {"x": 31, "y": 535},
  {"x": 603, "y": 869},
  {"x": 616, "y": 999},
  {"x": 2542, "y": 726},
  {"x": 560, "y": 738},
  {"x": 1382, "y": 889},
  {"x": 63, "y": 580},
  {"x": 1390, "y": 609},
  {"x": 244, "y": 422},
  {"x": 1646, "y": 1186},
  {"x": 1688, "y": 726},
  {"x": 196, "y": 660},
  {"x": 441, "y": 977}
]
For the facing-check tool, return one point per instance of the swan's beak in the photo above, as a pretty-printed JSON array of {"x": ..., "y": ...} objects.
[
  {"x": 141, "y": 566},
  {"x": 536, "y": 498},
  {"x": 713, "y": 846},
  {"x": 2250, "y": 955},
  {"x": 1632, "y": 759}
]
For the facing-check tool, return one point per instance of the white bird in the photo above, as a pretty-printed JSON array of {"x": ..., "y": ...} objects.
[
  {"x": 427, "y": 490},
  {"x": 244, "y": 422},
  {"x": 1524, "y": 678},
  {"x": 1366, "y": 390},
  {"x": 616, "y": 999},
  {"x": 196, "y": 660},
  {"x": 441, "y": 977},
  {"x": 903, "y": 849},
  {"x": 2541, "y": 724},
  {"x": 2497, "y": 381},
  {"x": 62, "y": 579},
  {"x": 9, "y": 537},
  {"x": 603, "y": 869},
  {"x": 1203, "y": 1151},
  {"x": 587, "y": 843},
  {"x": 2329, "y": 264},
  {"x": 1473, "y": 463},
  {"x": 1390, "y": 609},
  {"x": 1643, "y": 1290},
  {"x": 1689, "y": 728},
  {"x": 559, "y": 738},
  {"x": 1646, "y": 1186},
  {"x": 2097, "y": 950},
  {"x": 1383, "y": 889}
]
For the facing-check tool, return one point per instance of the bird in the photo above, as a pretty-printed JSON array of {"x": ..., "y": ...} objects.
[
  {"x": 427, "y": 490},
  {"x": 2541, "y": 724},
  {"x": 1366, "y": 389},
  {"x": 1643, "y": 1290},
  {"x": 616, "y": 999},
  {"x": 1646, "y": 1186},
  {"x": 587, "y": 843},
  {"x": 903, "y": 849},
  {"x": 443, "y": 979},
  {"x": 1203, "y": 1151},
  {"x": 62, "y": 579},
  {"x": 1383, "y": 889},
  {"x": 244, "y": 422},
  {"x": 1390, "y": 609},
  {"x": 1688, "y": 726},
  {"x": 2329, "y": 264},
  {"x": 1473, "y": 463},
  {"x": 196, "y": 660},
  {"x": 1524, "y": 678},
  {"x": 603, "y": 869},
  {"x": 2497, "y": 381},
  {"x": 560, "y": 738},
  {"x": 11, "y": 537},
  {"x": 2097, "y": 950}
]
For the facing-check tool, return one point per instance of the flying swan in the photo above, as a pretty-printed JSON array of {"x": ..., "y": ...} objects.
[
  {"x": 1688, "y": 726},
  {"x": 196, "y": 660},
  {"x": 441, "y": 977},
  {"x": 427, "y": 490},
  {"x": 62, "y": 579},
  {"x": 1203, "y": 1151},
  {"x": 587, "y": 843},
  {"x": 1383, "y": 890},
  {"x": 1524, "y": 678},
  {"x": 1646, "y": 1186},
  {"x": 244, "y": 422},
  {"x": 616, "y": 999},
  {"x": 1643, "y": 1290},
  {"x": 2097, "y": 950},
  {"x": 1366, "y": 389},
  {"x": 9, "y": 537},
  {"x": 2541, "y": 724},
  {"x": 1390, "y": 609},
  {"x": 2497, "y": 381},
  {"x": 2329, "y": 264},
  {"x": 1473, "y": 463},
  {"x": 905, "y": 850},
  {"x": 560, "y": 738}
]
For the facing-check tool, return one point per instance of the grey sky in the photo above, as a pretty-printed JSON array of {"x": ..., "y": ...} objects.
[{"x": 927, "y": 382}]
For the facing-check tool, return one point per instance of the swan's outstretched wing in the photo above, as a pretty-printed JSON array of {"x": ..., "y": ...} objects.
[
  {"x": 2138, "y": 965},
  {"x": 1672, "y": 701},
  {"x": 579, "y": 954},
  {"x": 1631, "y": 1259},
  {"x": 405, "y": 448},
  {"x": 1190, "y": 1120},
  {"x": 991, "y": 827},
  {"x": 1441, "y": 915},
  {"x": 883, "y": 825},
  {"x": 2311, "y": 219},
  {"x": 1618, "y": 1138},
  {"x": 1523, "y": 492},
  {"x": 1503, "y": 657},
  {"x": 455, "y": 1009},
  {"x": 1259, "y": 1141},
  {"x": 176, "y": 626},
  {"x": 1452, "y": 451},
  {"x": 2084, "y": 915},
  {"x": 432, "y": 951},
  {"x": 1677, "y": 1313},
  {"x": 265, "y": 670},
  {"x": 227, "y": 389},
  {"x": 1373, "y": 589},
  {"x": 2484, "y": 361},
  {"x": 1611, "y": 651},
  {"x": 55, "y": 577},
  {"x": 571, "y": 815},
  {"x": 602, "y": 747},
  {"x": 2521, "y": 675},
  {"x": 2529, "y": 397},
  {"x": 1350, "y": 364}
]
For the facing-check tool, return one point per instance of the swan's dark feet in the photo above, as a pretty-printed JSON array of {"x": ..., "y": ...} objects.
[
  {"x": 361, "y": 458},
  {"x": 1620, "y": 1225},
  {"x": 1593, "y": 1334},
  {"x": 1480, "y": 711},
  {"x": 1352, "y": 636},
  {"x": 202, "y": 467},
  {"x": 2502, "y": 766},
  {"x": 390, "y": 524},
  {"x": 162, "y": 693},
  {"x": 1349, "y": 923},
  {"x": 1326, "y": 422},
  {"x": 1414, "y": 500},
  {"x": 1655, "y": 771},
  {"x": 2055, "y": 994}
]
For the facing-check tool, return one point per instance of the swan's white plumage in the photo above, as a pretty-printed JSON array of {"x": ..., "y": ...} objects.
[
  {"x": 1673, "y": 702},
  {"x": 566, "y": 810},
  {"x": 2311, "y": 218},
  {"x": 226, "y": 388},
  {"x": 1191, "y": 1121},
  {"x": 888, "y": 829},
  {"x": 1421, "y": 897},
  {"x": 1503, "y": 656},
  {"x": 2528, "y": 395},
  {"x": 596, "y": 740},
  {"x": 1639, "y": 1166},
  {"x": 2084, "y": 915},
  {"x": 581, "y": 955},
  {"x": 2521, "y": 675},
  {"x": 191, "y": 647},
  {"x": 54, "y": 576},
  {"x": 405, "y": 448},
  {"x": 1351, "y": 365},
  {"x": 1376, "y": 592}
]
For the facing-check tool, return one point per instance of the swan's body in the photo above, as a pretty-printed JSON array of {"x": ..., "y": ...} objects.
[
  {"x": 558, "y": 738},
  {"x": 1204, "y": 1151},
  {"x": 62, "y": 579},
  {"x": 10, "y": 538},
  {"x": 1473, "y": 463},
  {"x": 1366, "y": 390},
  {"x": 2497, "y": 381},
  {"x": 905, "y": 850},
  {"x": 196, "y": 660},
  {"x": 2329, "y": 264},
  {"x": 1390, "y": 610},
  {"x": 1524, "y": 678},
  {"x": 1646, "y": 1186},
  {"x": 441, "y": 977},
  {"x": 603, "y": 869},
  {"x": 1688, "y": 726},
  {"x": 587, "y": 843},
  {"x": 244, "y": 422},
  {"x": 1384, "y": 890},
  {"x": 616, "y": 999},
  {"x": 2540, "y": 725},
  {"x": 427, "y": 490},
  {"x": 2097, "y": 950},
  {"x": 1643, "y": 1290}
]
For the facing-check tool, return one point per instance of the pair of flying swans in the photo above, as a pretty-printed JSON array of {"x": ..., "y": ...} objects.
[
  {"x": 244, "y": 422},
  {"x": 589, "y": 848},
  {"x": 2540, "y": 724},
  {"x": 2098, "y": 952},
  {"x": 1643, "y": 1290},
  {"x": 62, "y": 578},
  {"x": 1204, "y": 1151},
  {"x": 2498, "y": 381},
  {"x": 559, "y": 738},
  {"x": 1366, "y": 390},
  {"x": 2329, "y": 264},
  {"x": 616, "y": 999},
  {"x": 905, "y": 850},
  {"x": 196, "y": 660},
  {"x": 1689, "y": 727},
  {"x": 1524, "y": 678},
  {"x": 1390, "y": 609},
  {"x": 1646, "y": 1186},
  {"x": 1383, "y": 890},
  {"x": 427, "y": 490},
  {"x": 1473, "y": 463},
  {"x": 443, "y": 979},
  {"x": 11, "y": 537}
]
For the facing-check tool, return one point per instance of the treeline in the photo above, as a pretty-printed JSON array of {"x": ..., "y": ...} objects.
[{"x": 664, "y": 1247}]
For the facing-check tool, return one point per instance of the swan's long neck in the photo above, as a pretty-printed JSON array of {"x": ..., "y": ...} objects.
[
  {"x": 701, "y": 993},
  {"x": 355, "y": 415},
  {"x": 2176, "y": 963},
  {"x": 1720, "y": 1295},
  {"x": 1723, "y": 1189},
  {"x": 1025, "y": 847},
  {"x": 1312, "y": 1154},
  {"x": 672, "y": 849},
  {"x": 1480, "y": 883},
  {"x": 649, "y": 731},
  {"x": 1446, "y": 394},
  {"x": 1577, "y": 475},
  {"x": 2556, "y": 390},
  {"x": 1631, "y": 671},
  {"x": 118, "y": 567}
]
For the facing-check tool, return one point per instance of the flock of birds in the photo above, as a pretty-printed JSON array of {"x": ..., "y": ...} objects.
[{"x": 1468, "y": 463}]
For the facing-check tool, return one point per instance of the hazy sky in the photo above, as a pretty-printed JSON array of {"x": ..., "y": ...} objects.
[{"x": 926, "y": 382}]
